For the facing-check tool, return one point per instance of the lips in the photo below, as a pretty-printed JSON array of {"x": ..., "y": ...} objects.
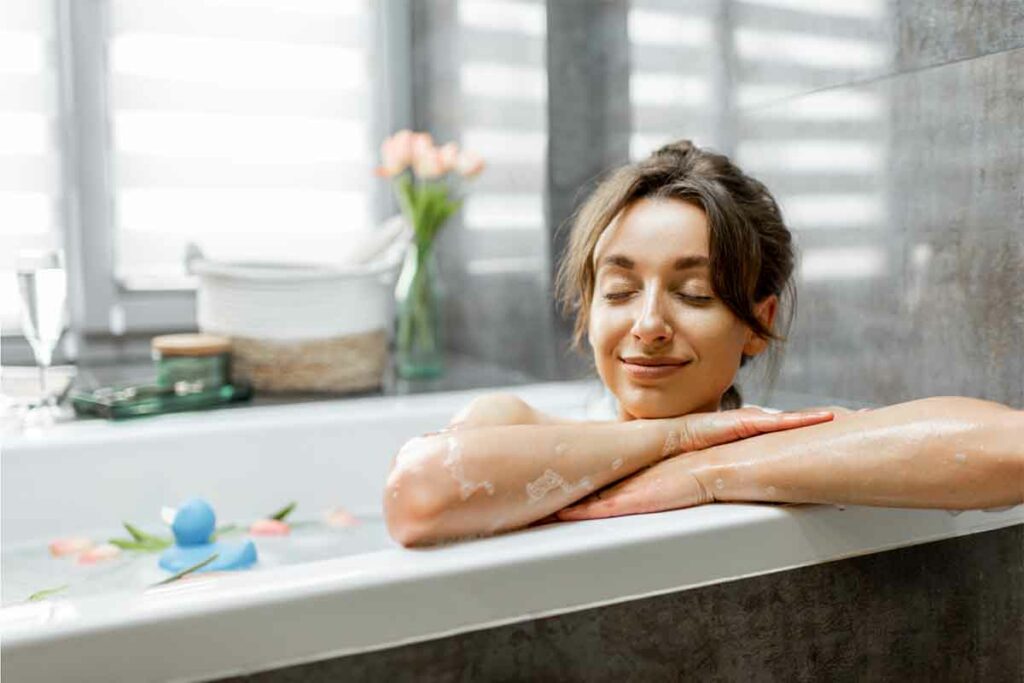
[
  {"x": 652, "y": 368},
  {"x": 652, "y": 360}
]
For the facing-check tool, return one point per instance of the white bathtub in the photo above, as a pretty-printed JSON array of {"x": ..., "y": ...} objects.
[{"x": 84, "y": 476}]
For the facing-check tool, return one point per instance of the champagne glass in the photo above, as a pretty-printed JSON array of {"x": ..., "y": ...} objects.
[{"x": 42, "y": 285}]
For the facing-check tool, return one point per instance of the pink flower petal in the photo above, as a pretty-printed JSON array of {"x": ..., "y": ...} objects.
[
  {"x": 100, "y": 553},
  {"x": 340, "y": 518},
  {"x": 469, "y": 164},
  {"x": 69, "y": 546},
  {"x": 269, "y": 527}
]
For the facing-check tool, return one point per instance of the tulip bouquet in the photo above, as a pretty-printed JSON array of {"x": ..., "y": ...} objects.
[
  {"x": 420, "y": 171},
  {"x": 424, "y": 176}
]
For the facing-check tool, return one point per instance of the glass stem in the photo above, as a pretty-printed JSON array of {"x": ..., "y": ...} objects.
[{"x": 44, "y": 396}]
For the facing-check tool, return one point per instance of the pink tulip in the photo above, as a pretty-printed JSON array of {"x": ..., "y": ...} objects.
[
  {"x": 449, "y": 154},
  {"x": 426, "y": 158},
  {"x": 69, "y": 546},
  {"x": 396, "y": 153},
  {"x": 100, "y": 553},
  {"x": 340, "y": 518},
  {"x": 429, "y": 165},
  {"x": 421, "y": 144},
  {"x": 469, "y": 164},
  {"x": 269, "y": 527}
]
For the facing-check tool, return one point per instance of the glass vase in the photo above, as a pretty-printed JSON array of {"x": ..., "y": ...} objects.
[{"x": 418, "y": 344}]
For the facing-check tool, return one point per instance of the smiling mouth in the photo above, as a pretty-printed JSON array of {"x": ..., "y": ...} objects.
[{"x": 648, "y": 370}]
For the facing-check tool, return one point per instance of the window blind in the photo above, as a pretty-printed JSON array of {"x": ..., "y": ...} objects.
[
  {"x": 821, "y": 149},
  {"x": 503, "y": 82},
  {"x": 671, "y": 85},
  {"x": 29, "y": 150},
  {"x": 240, "y": 125}
]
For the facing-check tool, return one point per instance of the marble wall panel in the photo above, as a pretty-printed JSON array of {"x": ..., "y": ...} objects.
[
  {"x": 939, "y": 308},
  {"x": 930, "y": 33}
]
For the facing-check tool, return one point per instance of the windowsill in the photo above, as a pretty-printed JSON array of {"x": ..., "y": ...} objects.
[{"x": 20, "y": 383}]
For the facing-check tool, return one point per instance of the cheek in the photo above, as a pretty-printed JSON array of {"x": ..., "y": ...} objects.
[
  {"x": 604, "y": 332},
  {"x": 719, "y": 336},
  {"x": 606, "y": 328}
]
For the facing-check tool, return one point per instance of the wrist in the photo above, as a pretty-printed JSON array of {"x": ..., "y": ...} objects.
[{"x": 726, "y": 480}]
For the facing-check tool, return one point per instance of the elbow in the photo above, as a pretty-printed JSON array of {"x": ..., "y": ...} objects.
[
  {"x": 409, "y": 515},
  {"x": 412, "y": 501}
]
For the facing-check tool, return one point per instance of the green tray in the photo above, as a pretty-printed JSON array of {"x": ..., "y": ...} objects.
[{"x": 115, "y": 403}]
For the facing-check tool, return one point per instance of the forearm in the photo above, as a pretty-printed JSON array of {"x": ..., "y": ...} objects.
[
  {"x": 952, "y": 453},
  {"x": 488, "y": 479}
]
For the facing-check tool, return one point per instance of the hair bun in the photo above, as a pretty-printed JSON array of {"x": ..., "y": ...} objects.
[{"x": 677, "y": 148}]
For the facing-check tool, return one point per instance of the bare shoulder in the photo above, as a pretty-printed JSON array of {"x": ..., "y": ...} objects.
[{"x": 502, "y": 408}]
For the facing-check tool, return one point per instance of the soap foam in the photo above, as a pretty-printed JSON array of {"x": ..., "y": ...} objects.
[
  {"x": 960, "y": 458},
  {"x": 616, "y": 463},
  {"x": 453, "y": 463},
  {"x": 551, "y": 480},
  {"x": 413, "y": 454}
]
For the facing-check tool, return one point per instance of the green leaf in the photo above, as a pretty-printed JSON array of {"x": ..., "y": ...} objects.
[
  {"x": 136, "y": 533},
  {"x": 283, "y": 512},
  {"x": 225, "y": 530},
  {"x": 188, "y": 570},
  {"x": 45, "y": 593},
  {"x": 150, "y": 545},
  {"x": 140, "y": 540}
]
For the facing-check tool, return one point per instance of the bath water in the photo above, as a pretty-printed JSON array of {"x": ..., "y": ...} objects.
[{"x": 28, "y": 567}]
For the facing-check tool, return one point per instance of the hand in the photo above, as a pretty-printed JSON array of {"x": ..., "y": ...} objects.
[
  {"x": 673, "y": 483},
  {"x": 669, "y": 485},
  {"x": 703, "y": 430}
]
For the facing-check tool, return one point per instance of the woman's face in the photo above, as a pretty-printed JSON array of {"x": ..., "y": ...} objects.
[{"x": 663, "y": 343}]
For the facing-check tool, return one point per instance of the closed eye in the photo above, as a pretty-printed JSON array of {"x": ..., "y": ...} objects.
[{"x": 689, "y": 298}]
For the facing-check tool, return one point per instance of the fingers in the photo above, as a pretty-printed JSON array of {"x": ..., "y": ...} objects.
[
  {"x": 614, "y": 506},
  {"x": 661, "y": 488},
  {"x": 710, "y": 429}
]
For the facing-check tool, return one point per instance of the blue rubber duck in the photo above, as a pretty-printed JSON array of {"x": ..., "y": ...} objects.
[{"x": 193, "y": 526}]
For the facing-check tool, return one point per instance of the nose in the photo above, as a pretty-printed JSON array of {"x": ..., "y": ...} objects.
[{"x": 651, "y": 328}]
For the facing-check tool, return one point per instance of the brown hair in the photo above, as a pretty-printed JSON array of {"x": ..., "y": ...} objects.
[{"x": 750, "y": 248}]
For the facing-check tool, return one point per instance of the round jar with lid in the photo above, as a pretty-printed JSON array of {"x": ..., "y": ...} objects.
[{"x": 194, "y": 361}]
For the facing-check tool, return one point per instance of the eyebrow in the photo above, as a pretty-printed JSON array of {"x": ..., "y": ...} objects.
[{"x": 682, "y": 263}]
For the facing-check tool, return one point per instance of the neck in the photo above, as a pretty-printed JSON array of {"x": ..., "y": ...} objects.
[{"x": 710, "y": 407}]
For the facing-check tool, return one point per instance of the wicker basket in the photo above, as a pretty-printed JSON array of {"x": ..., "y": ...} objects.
[
  {"x": 305, "y": 327},
  {"x": 352, "y": 362}
]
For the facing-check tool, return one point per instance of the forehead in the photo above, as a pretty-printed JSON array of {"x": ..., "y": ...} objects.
[{"x": 655, "y": 232}]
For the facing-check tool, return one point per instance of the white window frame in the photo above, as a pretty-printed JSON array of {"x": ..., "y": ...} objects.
[{"x": 99, "y": 305}]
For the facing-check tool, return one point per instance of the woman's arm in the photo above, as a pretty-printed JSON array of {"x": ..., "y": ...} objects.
[
  {"x": 484, "y": 479},
  {"x": 951, "y": 452}
]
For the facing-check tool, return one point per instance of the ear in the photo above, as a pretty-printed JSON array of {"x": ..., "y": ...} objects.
[{"x": 765, "y": 311}]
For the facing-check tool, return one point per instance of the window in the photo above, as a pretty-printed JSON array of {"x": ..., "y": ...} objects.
[
  {"x": 242, "y": 126},
  {"x": 503, "y": 43},
  {"x": 29, "y": 142},
  {"x": 672, "y": 87}
]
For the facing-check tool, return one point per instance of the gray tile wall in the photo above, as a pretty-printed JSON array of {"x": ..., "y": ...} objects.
[
  {"x": 504, "y": 316},
  {"x": 890, "y": 130},
  {"x": 927, "y": 297}
]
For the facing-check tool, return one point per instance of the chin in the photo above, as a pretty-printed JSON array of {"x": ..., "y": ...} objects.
[
  {"x": 642, "y": 403},
  {"x": 653, "y": 408}
]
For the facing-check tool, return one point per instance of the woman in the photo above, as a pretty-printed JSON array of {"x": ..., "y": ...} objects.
[{"x": 677, "y": 269}]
